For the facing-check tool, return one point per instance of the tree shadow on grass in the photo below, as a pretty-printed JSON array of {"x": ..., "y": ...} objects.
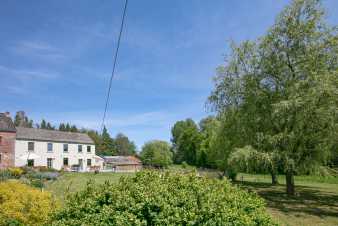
[{"x": 308, "y": 200}]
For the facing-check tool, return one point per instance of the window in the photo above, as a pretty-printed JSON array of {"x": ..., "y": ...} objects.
[
  {"x": 30, "y": 162},
  {"x": 89, "y": 162},
  {"x": 49, "y": 163},
  {"x": 79, "y": 148},
  {"x": 65, "y": 161},
  {"x": 65, "y": 147},
  {"x": 89, "y": 149},
  {"x": 50, "y": 147},
  {"x": 30, "y": 146}
]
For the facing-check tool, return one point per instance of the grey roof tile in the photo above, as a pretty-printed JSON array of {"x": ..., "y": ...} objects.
[
  {"x": 52, "y": 135},
  {"x": 122, "y": 160}
]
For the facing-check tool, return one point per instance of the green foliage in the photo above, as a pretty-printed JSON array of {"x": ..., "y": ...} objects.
[
  {"x": 156, "y": 153},
  {"x": 249, "y": 160},
  {"x": 153, "y": 198},
  {"x": 186, "y": 141},
  {"x": 123, "y": 145},
  {"x": 106, "y": 144},
  {"x": 184, "y": 165},
  {"x": 43, "y": 124},
  {"x": 67, "y": 127},
  {"x": 208, "y": 129}
]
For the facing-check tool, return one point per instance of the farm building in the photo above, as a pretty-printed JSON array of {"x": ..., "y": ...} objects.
[{"x": 122, "y": 164}]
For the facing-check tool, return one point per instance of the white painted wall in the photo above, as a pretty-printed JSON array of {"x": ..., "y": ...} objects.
[{"x": 41, "y": 149}]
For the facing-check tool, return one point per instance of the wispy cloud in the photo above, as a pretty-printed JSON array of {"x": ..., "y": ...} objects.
[
  {"x": 116, "y": 120},
  {"x": 37, "y": 49},
  {"x": 97, "y": 30},
  {"x": 26, "y": 74},
  {"x": 18, "y": 81}
]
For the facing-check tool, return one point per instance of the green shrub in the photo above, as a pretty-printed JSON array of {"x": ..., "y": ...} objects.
[{"x": 154, "y": 198}]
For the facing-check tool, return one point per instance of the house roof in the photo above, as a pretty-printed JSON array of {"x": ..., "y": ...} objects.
[
  {"x": 52, "y": 135},
  {"x": 122, "y": 160},
  {"x": 6, "y": 123}
]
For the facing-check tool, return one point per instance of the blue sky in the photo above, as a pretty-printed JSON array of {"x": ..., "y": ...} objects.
[{"x": 56, "y": 58}]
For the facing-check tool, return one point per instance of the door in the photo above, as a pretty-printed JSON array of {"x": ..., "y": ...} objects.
[
  {"x": 49, "y": 163},
  {"x": 30, "y": 162}
]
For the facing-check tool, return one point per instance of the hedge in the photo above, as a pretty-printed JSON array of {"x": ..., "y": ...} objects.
[{"x": 155, "y": 198}]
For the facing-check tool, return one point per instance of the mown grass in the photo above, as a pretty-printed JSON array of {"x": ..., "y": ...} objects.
[
  {"x": 73, "y": 182},
  {"x": 316, "y": 201}
]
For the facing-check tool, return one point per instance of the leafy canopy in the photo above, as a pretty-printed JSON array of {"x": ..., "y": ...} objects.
[{"x": 157, "y": 153}]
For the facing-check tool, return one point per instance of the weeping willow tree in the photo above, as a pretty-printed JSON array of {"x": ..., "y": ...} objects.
[
  {"x": 283, "y": 89},
  {"x": 249, "y": 160}
]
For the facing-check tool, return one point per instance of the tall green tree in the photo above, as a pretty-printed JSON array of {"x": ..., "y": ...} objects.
[
  {"x": 49, "y": 126},
  {"x": 186, "y": 141},
  {"x": 67, "y": 127},
  {"x": 156, "y": 153},
  {"x": 106, "y": 144},
  {"x": 62, "y": 127},
  {"x": 73, "y": 128},
  {"x": 17, "y": 119},
  {"x": 123, "y": 145},
  {"x": 208, "y": 129},
  {"x": 43, "y": 124},
  {"x": 283, "y": 89}
]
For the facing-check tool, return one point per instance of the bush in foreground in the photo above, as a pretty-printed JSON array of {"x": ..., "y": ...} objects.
[
  {"x": 23, "y": 205},
  {"x": 154, "y": 198}
]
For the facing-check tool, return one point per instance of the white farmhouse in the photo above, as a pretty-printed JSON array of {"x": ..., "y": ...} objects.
[{"x": 21, "y": 146}]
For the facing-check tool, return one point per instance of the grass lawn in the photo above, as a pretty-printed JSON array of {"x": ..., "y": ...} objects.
[
  {"x": 316, "y": 202},
  {"x": 72, "y": 182}
]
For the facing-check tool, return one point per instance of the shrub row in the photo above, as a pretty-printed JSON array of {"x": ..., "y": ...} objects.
[{"x": 154, "y": 198}]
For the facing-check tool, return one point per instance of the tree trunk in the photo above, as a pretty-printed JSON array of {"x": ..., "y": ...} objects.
[
  {"x": 274, "y": 178},
  {"x": 290, "y": 183}
]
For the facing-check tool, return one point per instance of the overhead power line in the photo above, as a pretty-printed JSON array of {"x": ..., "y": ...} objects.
[{"x": 114, "y": 65}]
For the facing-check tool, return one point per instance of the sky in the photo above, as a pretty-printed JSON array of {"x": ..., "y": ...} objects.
[{"x": 56, "y": 58}]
